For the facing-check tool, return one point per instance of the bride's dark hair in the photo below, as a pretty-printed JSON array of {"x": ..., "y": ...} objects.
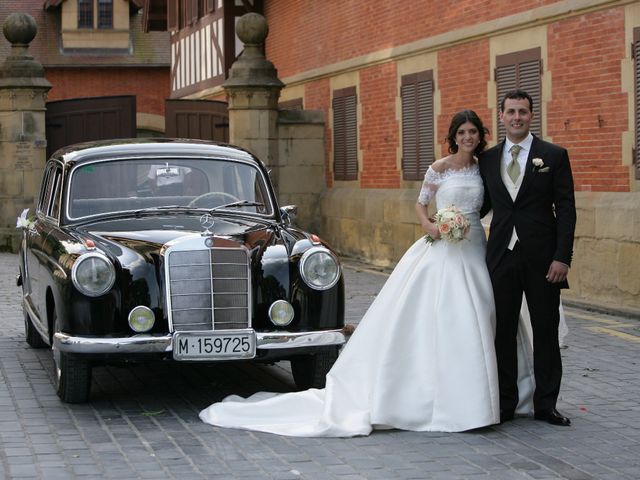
[{"x": 458, "y": 119}]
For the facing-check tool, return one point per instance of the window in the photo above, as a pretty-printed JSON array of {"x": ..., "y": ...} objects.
[
  {"x": 45, "y": 189},
  {"x": 54, "y": 204},
  {"x": 86, "y": 10},
  {"x": 521, "y": 70},
  {"x": 85, "y": 13},
  {"x": 345, "y": 134},
  {"x": 636, "y": 67},
  {"x": 49, "y": 204},
  {"x": 416, "y": 92},
  {"x": 105, "y": 13}
]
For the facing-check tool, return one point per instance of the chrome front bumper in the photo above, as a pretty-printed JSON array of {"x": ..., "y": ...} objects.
[{"x": 143, "y": 343}]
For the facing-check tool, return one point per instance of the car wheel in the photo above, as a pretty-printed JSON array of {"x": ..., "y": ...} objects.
[
  {"x": 33, "y": 338},
  {"x": 310, "y": 371},
  {"x": 72, "y": 374}
]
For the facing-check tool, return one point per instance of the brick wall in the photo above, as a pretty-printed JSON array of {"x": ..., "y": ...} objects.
[
  {"x": 586, "y": 106},
  {"x": 588, "y": 111},
  {"x": 149, "y": 85},
  {"x": 342, "y": 30},
  {"x": 462, "y": 80},
  {"x": 379, "y": 129}
]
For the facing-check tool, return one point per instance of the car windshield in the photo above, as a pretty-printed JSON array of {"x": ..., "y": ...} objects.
[{"x": 139, "y": 185}]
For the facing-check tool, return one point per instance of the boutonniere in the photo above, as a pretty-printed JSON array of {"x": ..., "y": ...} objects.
[{"x": 538, "y": 165}]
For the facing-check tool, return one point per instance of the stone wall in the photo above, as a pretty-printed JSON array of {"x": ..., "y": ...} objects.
[
  {"x": 301, "y": 161},
  {"x": 606, "y": 266},
  {"x": 377, "y": 226},
  {"x": 23, "y": 91},
  {"x": 22, "y": 159}
]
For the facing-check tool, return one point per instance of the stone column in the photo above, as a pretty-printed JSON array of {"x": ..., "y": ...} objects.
[
  {"x": 253, "y": 89},
  {"x": 23, "y": 91}
]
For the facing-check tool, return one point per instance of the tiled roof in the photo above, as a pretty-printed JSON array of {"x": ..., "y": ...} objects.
[{"x": 148, "y": 49}]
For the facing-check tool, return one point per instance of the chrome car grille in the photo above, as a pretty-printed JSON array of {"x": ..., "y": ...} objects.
[{"x": 209, "y": 289}]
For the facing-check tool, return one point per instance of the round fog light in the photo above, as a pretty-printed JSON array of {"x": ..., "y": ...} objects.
[
  {"x": 141, "y": 319},
  {"x": 281, "y": 313}
]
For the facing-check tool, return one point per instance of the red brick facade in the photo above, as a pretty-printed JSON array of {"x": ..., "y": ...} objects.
[
  {"x": 149, "y": 85},
  {"x": 330, "y": 32},
  {"x": 588, "y": 112},
  {"x": 586, "y": 107},
  {"x": 465, "y": 85},
  {"x": 379, "y": 128}
]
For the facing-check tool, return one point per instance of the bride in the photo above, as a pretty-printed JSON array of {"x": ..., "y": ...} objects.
[{"x": 423, "y": 356}]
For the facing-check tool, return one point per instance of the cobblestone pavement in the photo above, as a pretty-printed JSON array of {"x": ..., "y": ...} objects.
[{"x": 142, "y": 420}]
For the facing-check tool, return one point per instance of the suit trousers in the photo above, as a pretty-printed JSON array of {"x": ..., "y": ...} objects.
[{"x": 517, "y": 273}]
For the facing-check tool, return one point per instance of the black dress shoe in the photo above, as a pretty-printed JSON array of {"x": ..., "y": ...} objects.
[
  {"x": 506, "y": 415},
  {"x": 553, "y": 417}
]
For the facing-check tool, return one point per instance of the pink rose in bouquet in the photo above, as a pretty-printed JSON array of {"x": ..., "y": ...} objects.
[{"x": 452, "y": 224}]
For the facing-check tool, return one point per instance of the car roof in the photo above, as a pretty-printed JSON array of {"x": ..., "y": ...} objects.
[{"x": 150, "y": 147}]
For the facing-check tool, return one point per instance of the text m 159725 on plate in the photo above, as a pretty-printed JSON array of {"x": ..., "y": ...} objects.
[{"x": 211, "y": 345}]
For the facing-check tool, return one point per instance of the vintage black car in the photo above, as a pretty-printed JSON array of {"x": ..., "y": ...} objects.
[{"x": 174, "y": 250}]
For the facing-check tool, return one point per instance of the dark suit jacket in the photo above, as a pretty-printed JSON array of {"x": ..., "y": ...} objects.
[{"x": 543, "y": 213}]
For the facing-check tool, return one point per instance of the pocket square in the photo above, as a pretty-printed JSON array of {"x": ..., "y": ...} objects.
[{"x": 543, "y": 170}]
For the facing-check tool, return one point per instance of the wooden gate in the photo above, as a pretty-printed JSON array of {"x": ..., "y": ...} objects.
[
  {"x": 201, "y": 119},
  {"x": 86, "y": 119}
]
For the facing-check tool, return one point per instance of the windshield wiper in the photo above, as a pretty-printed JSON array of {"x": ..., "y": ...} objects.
[
  {"x": 183, "y": 208},
  {"x": 241, "y": 203},
  {"x": 186, "y": 208}
]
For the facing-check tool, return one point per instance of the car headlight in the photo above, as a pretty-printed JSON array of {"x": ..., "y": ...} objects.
[
  {"x": 281, "y": 313},
  {"x": 319, "y": 268},
  {"x": 141, "y": 319},
  {"x": 93, "y": 274}
]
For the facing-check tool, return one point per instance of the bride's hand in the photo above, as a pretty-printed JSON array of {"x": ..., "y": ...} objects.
[{"x": 430, "y": 228}]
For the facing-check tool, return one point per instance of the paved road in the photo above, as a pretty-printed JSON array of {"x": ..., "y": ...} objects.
[{"x": 142, "y": 421}]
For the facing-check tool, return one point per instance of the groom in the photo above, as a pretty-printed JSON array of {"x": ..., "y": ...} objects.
[{"x": 529, "y": 186}]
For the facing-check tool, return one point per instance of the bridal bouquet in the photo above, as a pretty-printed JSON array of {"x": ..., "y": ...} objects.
[{"x": 452, "y": 224}]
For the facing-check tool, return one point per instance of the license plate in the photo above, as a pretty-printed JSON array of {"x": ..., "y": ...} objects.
[{"x": 227, "y": 345}]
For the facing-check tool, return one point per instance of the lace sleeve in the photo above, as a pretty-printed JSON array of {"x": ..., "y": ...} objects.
[{"x": 429, "y": 186}]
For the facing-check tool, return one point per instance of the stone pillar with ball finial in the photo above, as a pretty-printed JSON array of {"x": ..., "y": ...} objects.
[
  {"x": 253, "y": 89},
  {"x": 23, "y": 91}
]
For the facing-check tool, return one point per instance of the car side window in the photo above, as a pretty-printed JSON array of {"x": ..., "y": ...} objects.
[
  {"x": 45, "y": 190},
  {"x": 49, "y": 202},
  {"x": 54, "y": 203}
]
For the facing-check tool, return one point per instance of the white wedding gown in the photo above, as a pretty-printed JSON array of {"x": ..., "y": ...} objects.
[{"x": 421, "y": 359}]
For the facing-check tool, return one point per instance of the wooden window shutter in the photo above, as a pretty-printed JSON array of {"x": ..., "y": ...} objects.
[
  {"x": 345, "y": 134},
  {"x": 173, "y": 19},
  {"x": 521, "y": 70},
  {"x": 416, "y": 93},
  {"x": 636, "y": 65}
]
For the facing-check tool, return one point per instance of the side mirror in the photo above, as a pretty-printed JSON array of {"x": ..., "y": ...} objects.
[{"x": 288, "y": 213}]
